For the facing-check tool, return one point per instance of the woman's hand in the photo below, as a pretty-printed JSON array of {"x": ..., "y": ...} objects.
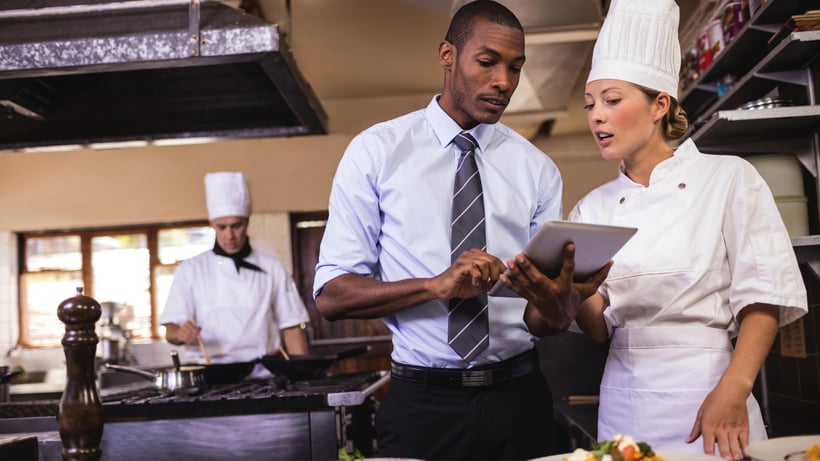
[{"x": 723, "y": 419}]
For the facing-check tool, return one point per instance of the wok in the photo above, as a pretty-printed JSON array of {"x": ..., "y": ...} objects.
[
  {"x": 227, "y": 373},
  {"x": 301, "y": 367}
]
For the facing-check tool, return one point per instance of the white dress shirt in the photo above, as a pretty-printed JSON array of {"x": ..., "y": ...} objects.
[{"x": 390, "y": 212}]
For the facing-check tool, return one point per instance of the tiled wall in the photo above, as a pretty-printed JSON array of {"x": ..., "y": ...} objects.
[{"x": 794, "y": 383}]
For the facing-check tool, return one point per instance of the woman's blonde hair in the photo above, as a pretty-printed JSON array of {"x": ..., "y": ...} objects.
[{"x": 675, "y": 123}]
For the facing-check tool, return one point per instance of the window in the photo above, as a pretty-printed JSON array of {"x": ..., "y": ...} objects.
[{"x": 131, "y": 267}]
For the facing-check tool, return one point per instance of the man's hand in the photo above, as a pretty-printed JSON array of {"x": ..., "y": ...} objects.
[
  {"x": 473, "y": 273},
  {"x": 557, "y": 300},
  {"x": 188, "y": 333}
]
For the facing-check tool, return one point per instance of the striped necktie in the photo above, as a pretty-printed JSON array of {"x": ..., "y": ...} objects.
[{"x": 468, "y": 321}]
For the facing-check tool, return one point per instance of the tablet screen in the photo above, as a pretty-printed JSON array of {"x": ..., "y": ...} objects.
[{"x": 595, "y": 245}]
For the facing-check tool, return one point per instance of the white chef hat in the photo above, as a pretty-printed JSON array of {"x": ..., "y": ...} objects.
[
  {"x": 226, "y": 194},
  {"x": 638, "y": 43}
]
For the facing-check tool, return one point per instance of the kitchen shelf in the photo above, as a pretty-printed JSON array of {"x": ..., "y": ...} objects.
[
  {"x": 783, "y": 64},
  {"x": 744, "y": 51},
  {"x": 749, "y": 130},
  {"x": 787, "y": 68},
  {"x": 807, "y": 250}
]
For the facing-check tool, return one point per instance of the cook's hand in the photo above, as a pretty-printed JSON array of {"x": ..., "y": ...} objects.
[
  {"x": 722, "y": 419},
  {"x": 188, "y": 333},
  {"x": 473, "y": 273},
  {"x": 556, "y": 300}
]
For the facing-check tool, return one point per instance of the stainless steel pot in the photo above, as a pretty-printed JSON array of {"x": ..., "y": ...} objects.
[{"x": 178, "y": 379}]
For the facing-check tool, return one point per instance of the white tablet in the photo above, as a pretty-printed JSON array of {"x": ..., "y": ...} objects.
[{"x": 595, "y": 245}]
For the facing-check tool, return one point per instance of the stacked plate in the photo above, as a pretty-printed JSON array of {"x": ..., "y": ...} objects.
[{"x": 784, "y": 175}]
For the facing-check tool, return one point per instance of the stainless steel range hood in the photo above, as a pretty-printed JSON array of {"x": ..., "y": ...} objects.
[{"x": 145, "y": 70}]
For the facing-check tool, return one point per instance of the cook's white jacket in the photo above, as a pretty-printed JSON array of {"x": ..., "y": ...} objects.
[
  {"x": 710, "y": 241},
  {"x": 240, "y": 313}
]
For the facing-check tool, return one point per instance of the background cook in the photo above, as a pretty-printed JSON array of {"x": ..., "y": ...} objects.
[{"x": 241, "y": 302}]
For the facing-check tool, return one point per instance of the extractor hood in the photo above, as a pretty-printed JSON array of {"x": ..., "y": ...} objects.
[{"x": 107, "y": 72}]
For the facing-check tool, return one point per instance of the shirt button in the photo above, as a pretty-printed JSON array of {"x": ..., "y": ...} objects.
[
  {"x": 622, "y": 200},
  {"x": 682, "y": 186}
]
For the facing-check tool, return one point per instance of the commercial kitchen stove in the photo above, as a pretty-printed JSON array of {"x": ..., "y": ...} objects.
[{"x": 254, "y": 419}]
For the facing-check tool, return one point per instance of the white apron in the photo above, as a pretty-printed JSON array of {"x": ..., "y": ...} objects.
[{"x": 655, "y": 380}]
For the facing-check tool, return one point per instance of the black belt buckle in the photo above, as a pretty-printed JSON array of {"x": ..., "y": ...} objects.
[{"x": 477, "y": 378}]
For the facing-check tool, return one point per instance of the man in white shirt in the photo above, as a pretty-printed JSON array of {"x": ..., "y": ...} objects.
[
  {"x": 241, "y": 302},
  {"x": 387, "y": 253}
]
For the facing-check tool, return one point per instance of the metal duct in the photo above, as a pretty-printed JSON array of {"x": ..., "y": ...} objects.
[{"x": 146, "y": 70}]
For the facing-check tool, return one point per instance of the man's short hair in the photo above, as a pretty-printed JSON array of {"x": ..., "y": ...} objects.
[{"x": 461, "y": 26}]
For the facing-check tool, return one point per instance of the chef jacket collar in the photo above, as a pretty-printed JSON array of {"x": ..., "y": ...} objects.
[
  {"x": 239, "y": 257},
  {"x": 666, "y": 168}
]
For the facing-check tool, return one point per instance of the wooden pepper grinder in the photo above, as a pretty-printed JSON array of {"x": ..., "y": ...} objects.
[{"x": 81, "y": 413}]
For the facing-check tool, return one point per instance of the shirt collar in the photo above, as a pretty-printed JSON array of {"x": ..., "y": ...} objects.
[
  {"x": 446, "y": 128},
  {"x": 667, "y": 167}
]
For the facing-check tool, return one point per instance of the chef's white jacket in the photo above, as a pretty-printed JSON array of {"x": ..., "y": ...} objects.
[
  {"x": 240, "y": 313},
  {"x": 710, "y": 241}
]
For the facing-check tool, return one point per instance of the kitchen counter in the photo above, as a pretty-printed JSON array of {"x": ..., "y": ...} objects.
[{"x": 254, "y": 419}]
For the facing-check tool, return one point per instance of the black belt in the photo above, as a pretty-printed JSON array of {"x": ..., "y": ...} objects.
[{"x": 484, "y": 375}]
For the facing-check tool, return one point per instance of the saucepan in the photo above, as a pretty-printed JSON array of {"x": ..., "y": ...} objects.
[
  {"x": 302, "y": 367},
  {"x": 178, "y": 379}
]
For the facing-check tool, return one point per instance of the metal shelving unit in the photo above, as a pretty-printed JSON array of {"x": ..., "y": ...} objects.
[
  {"x": 742, "y": 53},
  {"x": 790, "y": 66}
]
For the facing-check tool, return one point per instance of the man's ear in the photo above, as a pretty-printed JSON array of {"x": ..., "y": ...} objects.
[{"x": 446, "y": 55}]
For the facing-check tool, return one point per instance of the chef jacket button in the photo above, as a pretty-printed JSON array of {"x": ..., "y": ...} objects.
[
  {"x": 682, "y": 186},
  {"x": 622, "y": 200}
]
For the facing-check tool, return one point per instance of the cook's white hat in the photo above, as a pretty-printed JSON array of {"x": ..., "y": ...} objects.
[
  {"x": 226, "y": 193},
  {"x": 638, "y": 43}
]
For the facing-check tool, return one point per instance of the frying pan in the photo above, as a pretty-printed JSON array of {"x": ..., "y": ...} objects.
[{"x": 302, "y": 367}]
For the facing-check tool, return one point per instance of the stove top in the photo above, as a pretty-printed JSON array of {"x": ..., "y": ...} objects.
[{"x": 249, "y": 396}]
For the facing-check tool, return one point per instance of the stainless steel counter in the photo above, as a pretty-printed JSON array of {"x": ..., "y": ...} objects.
[{"x": 304, "y": 420}]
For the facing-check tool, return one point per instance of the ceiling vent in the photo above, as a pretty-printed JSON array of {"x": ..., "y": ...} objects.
[{"x": 107, "y": 72}]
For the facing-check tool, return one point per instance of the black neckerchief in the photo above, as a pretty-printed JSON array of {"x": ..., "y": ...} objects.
[{"x": 239, "y": 257}]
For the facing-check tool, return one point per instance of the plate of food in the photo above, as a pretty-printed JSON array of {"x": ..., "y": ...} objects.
[
  {"x": 796, "y": 448},
  {"x": 629, "y": 450}
]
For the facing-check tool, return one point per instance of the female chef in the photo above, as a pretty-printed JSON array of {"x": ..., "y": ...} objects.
[{"x": 711, "y": 260}]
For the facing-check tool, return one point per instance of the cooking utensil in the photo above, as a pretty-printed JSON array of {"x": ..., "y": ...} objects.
[
  {"x": 175, "y": 359},
  {"x": 302, "y": 367},
  {"x": 178, "y": 379},
  {"x": 204, "y": 352},
  {"x": 201, "y": 344}
]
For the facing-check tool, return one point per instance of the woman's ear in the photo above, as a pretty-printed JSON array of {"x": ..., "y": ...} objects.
[{"x": 661, "y": 105}]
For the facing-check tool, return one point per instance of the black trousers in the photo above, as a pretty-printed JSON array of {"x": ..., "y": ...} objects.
[{"x": 511, "y": 420}]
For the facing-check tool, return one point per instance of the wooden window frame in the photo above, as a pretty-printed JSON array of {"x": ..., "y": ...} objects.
[{"x": 152, "y": 243}]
